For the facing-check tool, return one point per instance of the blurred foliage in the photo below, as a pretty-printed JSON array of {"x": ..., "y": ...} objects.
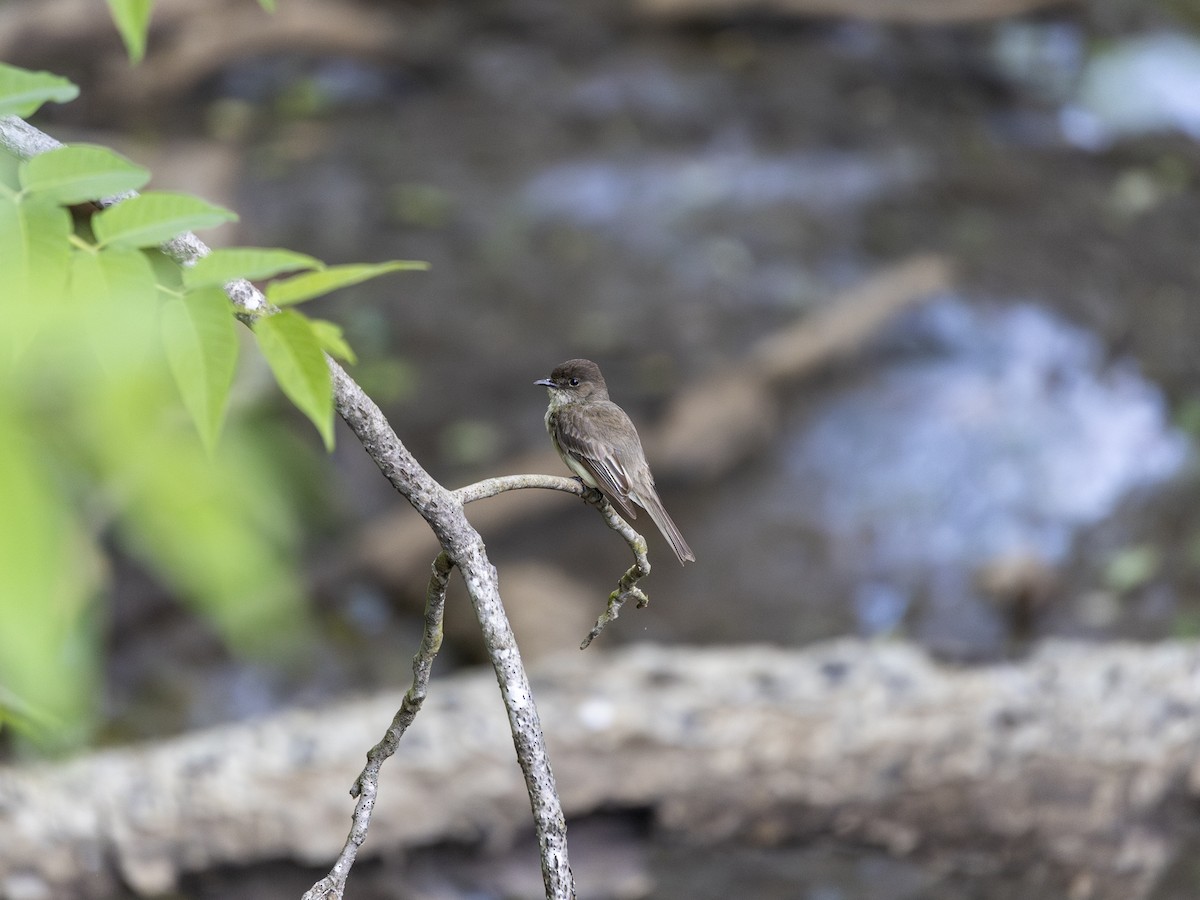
[
  {"x": 132, "y": 18},
  {"x": 420, "y": 205},
  {"x": 470, "y": 442},
  {"x": 116, "y": 367},
  {"x": 1132, "y": 567}
]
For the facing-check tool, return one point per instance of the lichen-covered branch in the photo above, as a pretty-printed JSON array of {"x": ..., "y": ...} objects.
[
  {"x": 462, "y": 543},
  {"x": 627, "y": 586},
  {"x": 366, "y": 787}
]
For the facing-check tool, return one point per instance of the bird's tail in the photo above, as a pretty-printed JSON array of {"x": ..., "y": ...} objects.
[{"x": 654, "y": 507}]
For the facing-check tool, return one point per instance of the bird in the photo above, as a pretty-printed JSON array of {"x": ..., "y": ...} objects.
[{"x": 598, "y": 442}]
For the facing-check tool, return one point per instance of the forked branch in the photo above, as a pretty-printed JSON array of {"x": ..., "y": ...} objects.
[{"x": 627, "y": 586}]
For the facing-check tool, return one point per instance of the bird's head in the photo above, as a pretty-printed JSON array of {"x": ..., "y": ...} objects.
[{"x": 573, "y": 381}]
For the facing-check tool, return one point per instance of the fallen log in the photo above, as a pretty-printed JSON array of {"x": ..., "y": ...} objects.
[{"x": 1074, "y": 758}]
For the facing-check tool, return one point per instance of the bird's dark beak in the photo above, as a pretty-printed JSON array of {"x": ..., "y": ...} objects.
[{"x": 545, "y": 382}]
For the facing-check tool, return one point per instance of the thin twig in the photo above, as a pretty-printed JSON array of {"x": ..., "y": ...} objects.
[
  {"x": 366, "y": 786},
  {"x": 490, "y": 487},
  {"x": 627, "y": 586}
]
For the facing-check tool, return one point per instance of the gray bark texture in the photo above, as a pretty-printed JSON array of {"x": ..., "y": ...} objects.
[{"x": 1082, "y": 758}]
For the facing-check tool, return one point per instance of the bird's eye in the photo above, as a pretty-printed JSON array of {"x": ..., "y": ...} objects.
[{"x": 574, "y": 382}]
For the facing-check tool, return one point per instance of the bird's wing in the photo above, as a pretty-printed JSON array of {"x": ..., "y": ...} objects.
[{"x": 598, "y": 458}]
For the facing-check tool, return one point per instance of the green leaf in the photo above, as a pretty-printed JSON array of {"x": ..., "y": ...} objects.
[
  {"x": 201, "y": 345},
  {"x": 32, "y": 723},
  {"x": 155, "y": 217},
  {"x": 22, "y": 91},
  {"x": 1132, "y": 567},
  {"x": 314, "y": 284},
  {"x": 294, "y": 353},
  {"x": 329, "y": 336},
  {"x": 80, "y": 173},
  {"x": 268, "y": 5},
  {"x": 33, "y": 249},
  {"x": 45, "y": 583},
  {"x": 198, "y": 520},
  {"x": 33, "y": 258},
  {"x": 132, "y": 18},
  {"x": 10, "y": 163},
  {"x": 115, "y": 294},
  {"x": 223, "y": 266},
  {"x": 112, "y": 279}
]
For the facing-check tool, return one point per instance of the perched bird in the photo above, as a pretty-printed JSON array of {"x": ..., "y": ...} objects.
[{"x": 598, "y": 443}]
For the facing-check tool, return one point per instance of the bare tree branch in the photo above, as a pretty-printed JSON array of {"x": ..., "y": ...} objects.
[
  {"x": 627, "y": 586},
  {"x": 444, "y": 513},
  {"x": 21, "y": 139},
  {"x": 333, "y": 885},
  {"x": 493, "y": 487}
]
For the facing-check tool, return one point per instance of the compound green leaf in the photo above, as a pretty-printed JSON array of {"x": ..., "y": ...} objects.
[
  {"x": 223, "y": 266},
  {"x": 192, "y": 516},
  {"x": 155, "y": 217},
  {"x": 114, "y": 292},
  {"x": 79, "y": 173},
  {"x": 33, "y": 248},
  {"x": 114, "y": 279},
  {"x": 44, "y": 588},
  {"x": 9, "y": 164},
  {"x": 201, "y": 344},
  {"x": 332, "y": 340},
  {"x": 294, "y": 354},
  {"x": 33, "y": 258},
  {"x": 315, "y": 284},
  {"x": 22, "y": 91}
]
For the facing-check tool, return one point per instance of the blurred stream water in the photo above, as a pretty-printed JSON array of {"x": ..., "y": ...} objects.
[
  {"x": 1000, "y": 432},
  {"x": 659, "y": 209}
]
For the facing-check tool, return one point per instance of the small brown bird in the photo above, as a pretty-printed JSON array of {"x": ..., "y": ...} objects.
[{"x": 598, "y": 443}]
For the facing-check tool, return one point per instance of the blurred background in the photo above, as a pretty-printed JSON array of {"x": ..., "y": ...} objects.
[{"x": 661, "y": 186}]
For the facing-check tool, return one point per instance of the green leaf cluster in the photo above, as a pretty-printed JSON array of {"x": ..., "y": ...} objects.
[{"x": 116, "y": 372}]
